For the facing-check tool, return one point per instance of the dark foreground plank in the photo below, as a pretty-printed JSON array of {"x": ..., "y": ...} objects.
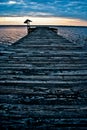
[{"x": 43, "y": 83}]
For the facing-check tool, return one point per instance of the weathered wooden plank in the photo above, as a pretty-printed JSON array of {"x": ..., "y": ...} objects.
[{"x": 43, "y": 79}]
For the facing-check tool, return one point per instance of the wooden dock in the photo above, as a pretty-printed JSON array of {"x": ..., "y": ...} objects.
[{"x": 43, "y": 83}]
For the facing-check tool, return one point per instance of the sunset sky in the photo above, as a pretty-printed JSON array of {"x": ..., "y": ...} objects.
[{"x": 44, "y": 12}]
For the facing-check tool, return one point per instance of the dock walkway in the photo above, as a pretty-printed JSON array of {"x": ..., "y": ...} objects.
[{"x": 43, "y": 83}]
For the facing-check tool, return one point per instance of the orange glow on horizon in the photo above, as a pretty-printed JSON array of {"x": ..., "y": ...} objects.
[{"x": 42, "y": 21}]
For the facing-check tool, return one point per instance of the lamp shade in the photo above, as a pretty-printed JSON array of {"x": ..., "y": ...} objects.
[{"x": 27, "y": 21}]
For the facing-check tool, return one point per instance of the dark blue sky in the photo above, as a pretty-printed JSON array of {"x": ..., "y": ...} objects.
[{"x": 45, "y": 8}]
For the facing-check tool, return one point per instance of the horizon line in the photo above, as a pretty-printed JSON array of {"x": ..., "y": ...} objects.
[{"x": 43, "y": 25}]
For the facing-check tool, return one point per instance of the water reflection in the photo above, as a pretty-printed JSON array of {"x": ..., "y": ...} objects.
[{"x": 9, "y": 35}]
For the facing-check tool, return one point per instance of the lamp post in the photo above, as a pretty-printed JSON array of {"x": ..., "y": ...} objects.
[{"x": 28, "y": 25}]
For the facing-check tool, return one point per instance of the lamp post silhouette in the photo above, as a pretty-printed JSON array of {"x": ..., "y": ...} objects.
[{"x": 28, "y": 25}]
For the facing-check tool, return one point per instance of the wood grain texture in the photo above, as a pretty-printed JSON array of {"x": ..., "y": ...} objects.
[{"x": 43, "y": 83}]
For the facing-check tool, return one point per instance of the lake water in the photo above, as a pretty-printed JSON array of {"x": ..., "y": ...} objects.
[
  {"x": 74, "y": 34},
  {"x": 9, "y": 35}
]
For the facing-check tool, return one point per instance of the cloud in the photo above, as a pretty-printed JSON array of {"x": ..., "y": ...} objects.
[
  {"x": 12, "y": 2},
  {"x": 40, "y": 14},
  {"x": 71, "y": 9},
  {"x": 75, "y": 4},
  {"x": 31, "y": 13},
  {"x": 44, "y": 8},
  {"x": 39, "y": 6}
]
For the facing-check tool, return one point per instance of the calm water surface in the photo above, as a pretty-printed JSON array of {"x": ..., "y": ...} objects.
[
  {"x": 9, "y": 35},
  {"x": 74, "y": 34}
]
